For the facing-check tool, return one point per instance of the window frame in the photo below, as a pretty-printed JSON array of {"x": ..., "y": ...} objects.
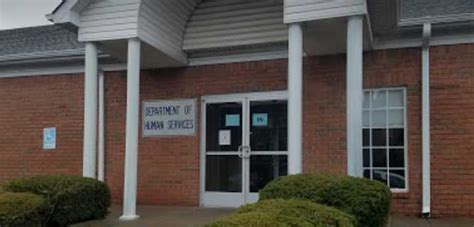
[{"x": 387, "y": 147}]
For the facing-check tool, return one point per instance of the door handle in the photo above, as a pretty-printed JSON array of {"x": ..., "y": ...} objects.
[
  {"x": 246, "y": 152},
  {"x": 240, "y": 151}
]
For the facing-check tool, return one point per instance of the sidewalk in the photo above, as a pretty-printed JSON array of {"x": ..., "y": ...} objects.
[
  {"x": 420, "y": 222},
  {"x": 161, "y": 216},
  {"x": 198, "y": 216}
]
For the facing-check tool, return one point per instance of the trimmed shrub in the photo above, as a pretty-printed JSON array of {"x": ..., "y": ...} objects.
[
  {"x": 286, "y": 213},
  {"x": 21, "y": 209},
  {"x": 369, "y": 201},
  {"x": 69, "y": 199},
  {"x": 246, "y": 219}
]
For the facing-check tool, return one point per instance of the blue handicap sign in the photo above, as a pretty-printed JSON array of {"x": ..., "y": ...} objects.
[{"x": 49, "y": 138}]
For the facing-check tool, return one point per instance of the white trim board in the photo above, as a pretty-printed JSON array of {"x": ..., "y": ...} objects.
[
  {"x": 405, "y": 138},
  {"x": 45, "y": 54},
  {"x": 50, "y": 60},
  {"x": 435, "y": 41},
  {"x": 53, "y": 70},
  {"x": 449, "y": 18},
  {"x": 235, "y": 58}
]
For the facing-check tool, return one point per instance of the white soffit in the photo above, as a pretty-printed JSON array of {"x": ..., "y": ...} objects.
[{"x": 329, "y": 36}]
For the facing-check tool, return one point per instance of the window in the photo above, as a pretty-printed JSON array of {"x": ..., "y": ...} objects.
[{"x": 384, "y": 136}]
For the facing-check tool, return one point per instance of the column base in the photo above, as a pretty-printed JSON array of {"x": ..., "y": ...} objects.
[{"x": 128, "y": 217}]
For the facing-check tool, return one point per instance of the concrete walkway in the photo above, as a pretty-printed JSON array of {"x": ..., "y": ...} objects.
[
  {"x": 196, "y": 216},
  {"x": 162, "y": 216},
  {"x": 420, "y": 222}
]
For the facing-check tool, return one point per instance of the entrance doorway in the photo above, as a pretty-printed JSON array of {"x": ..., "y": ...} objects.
[{"x": 244, "y": 146}]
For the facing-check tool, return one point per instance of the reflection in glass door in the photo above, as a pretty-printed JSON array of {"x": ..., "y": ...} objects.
[
  {"x": 268, "y": 140},
  {"x": 244, "y": 146},
  {"x": 224, "y": 137}
]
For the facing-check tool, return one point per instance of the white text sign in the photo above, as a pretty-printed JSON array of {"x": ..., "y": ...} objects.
[{"x": 169, "y": 117}]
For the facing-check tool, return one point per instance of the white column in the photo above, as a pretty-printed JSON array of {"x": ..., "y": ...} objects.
[
  {"x": 90, "y": 111},
  {"x": 426, "y": 165},
  {"x": 101, "y": 145},
  {"x": 354, "y": 96},
  {"x": 131, "y": 140},
  {"x": 295, "y": 98}
]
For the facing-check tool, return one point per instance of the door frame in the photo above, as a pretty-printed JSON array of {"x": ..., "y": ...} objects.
[{"x": 226, "y": 198}]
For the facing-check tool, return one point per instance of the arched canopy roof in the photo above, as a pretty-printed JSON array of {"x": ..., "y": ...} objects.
[
  {"x": 233, "y": 23},
  {"x": 179, "y": 27}
]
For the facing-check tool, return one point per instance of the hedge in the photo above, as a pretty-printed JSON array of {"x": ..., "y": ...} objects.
[
  {"x": 69, "y": 199},
  {"x": 21, "y": 209},
  {"x": 286, "y": 213},
  {"x": 369, "y": 201}
]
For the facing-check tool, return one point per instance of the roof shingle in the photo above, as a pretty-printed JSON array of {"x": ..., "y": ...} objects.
[{"x": 37, "y": 39}]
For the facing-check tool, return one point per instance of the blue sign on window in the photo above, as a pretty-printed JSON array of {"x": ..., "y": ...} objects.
[
  {"x": 232, "y": 120},
  {"x": 260, "y": 119}
]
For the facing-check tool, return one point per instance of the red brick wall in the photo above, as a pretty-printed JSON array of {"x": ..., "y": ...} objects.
[
  {"x": 452, "y": 130},
  {"x": 402, "y": 68},
  {"x": 169, "y": 167},
  {"x": 167, "y": 178},
  {"x": 325, "y": 113},
  {"x": 29, "y": 104},
  {"x": 324, "y": 107}
]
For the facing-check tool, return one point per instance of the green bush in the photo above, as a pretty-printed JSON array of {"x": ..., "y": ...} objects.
[
  {"x": 69, "y": 199},
  {"x": 21, "y": 209},
  {"x": 369, "y": 201},
  {"x": 286, "y": 213}
]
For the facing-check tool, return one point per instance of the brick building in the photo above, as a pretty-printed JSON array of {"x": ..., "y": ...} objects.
[{"x": 201, "y": 103}]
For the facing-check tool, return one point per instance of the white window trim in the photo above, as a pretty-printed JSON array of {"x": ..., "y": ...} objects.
[{"x": 405, "y": 127}]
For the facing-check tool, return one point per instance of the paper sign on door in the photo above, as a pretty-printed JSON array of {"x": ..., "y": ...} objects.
[{"x": 224, "y": 138}]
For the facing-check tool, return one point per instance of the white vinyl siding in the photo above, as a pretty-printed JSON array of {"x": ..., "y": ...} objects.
[
  {"x": 230, "y": 23},
  {"x": 109, "y": 20},
  {"x": 306, "y": 10},
  {"x": 162, "y": 24},
  {"x": 385, "y": 137}
]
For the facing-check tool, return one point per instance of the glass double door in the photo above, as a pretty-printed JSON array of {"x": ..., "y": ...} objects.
[{"x": 245, "y": 146}]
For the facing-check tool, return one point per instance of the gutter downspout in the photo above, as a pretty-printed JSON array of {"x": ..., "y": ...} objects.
[
  {"x": 101, "y": 142},
  {"x": 425, "y": 90}
]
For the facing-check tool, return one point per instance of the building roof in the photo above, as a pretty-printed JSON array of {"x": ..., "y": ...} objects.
[
  {"x": 208, "y": 30},
  {"x": 40, "y": 39},
  {"x": 412, "y": 9}
]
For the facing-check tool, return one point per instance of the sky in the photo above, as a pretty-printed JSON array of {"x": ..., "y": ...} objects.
[{"x": 25, "y": 13}]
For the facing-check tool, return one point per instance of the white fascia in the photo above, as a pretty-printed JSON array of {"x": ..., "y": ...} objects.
[
  {"x": 451, "y": 18},
  {"x": 418, "y": 42},
  {"x": 68, "y": 12},
  {"x": 54, "y": 70}
]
